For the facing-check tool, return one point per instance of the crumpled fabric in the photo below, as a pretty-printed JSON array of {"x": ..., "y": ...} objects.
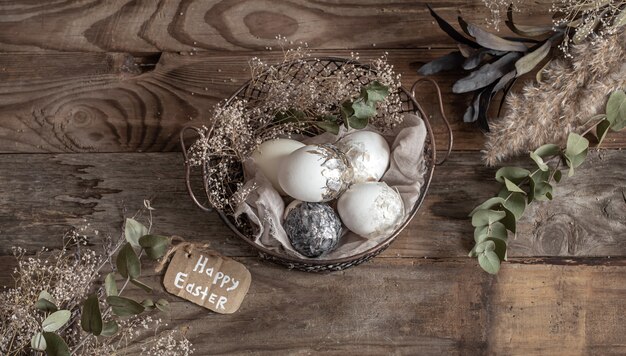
[{"x": 264, "y": 207}]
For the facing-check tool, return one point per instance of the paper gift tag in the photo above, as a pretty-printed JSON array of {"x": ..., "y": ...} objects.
[{"x": 215, "y": 282}]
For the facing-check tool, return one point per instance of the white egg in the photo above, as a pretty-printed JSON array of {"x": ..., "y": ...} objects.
[
  {"x": 315, "y": 173},
  {"x": 371, "y": 209},
  {"x": 368, "y": 153},
  {"x": 270, "y": 154}
]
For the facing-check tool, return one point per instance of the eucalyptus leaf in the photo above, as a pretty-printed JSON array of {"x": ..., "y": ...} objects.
[
  {"x": 575, "y": 161},
  {"x": 450, "y": 61},
  {"x": 56, "y": 320},
  {"x": 489, "y": 40},
  {"x": 156, "y": 245},
  {"x": 514, "y": 174},
  {"x": 47, "y": 296},
  {"x": 497, "y": 230},
  {"x": 509, "y": 220},
  {"x": 109, "y": 328},
  {"x": 576, "y": 145},
  {"x": 363, "y": 110},
  {"x": 133, "y": 230},
  {"x": 45, "y": 305},
  {"x": 148, "y": 304},
  {"x": 91, "y": 318},
  {"x": 127, "y": 262},
  {"x": 516, "y": 204},
  {"x": 141, "y": 285},
  {"x": 499, "y": 247},
  {"x": 163, "y": 305},
  {"x": 110, "y": 287},
  {"x": 548, "y": 150},
  {"x": 616, "y": 110},
  {"x": 487, "y": 217},
  {"x": 38, "y": 342},
  {"x": 557, "y": 175},
  {"x": 540, "y": 163},
  {"x": 55, "y": 345},
  {"x": 486, "y": 245},
  {"x": 539, "y": 188},
  {"x": 375, "y": 92},
  {"x": 488, "y": 204},
  {"x": 512, "y": 187},
  {"x": 486, "y": 74},
  {"x": 124, "y": 307},
  {"x": 532, "y": 59},
  {"x": 346, "y": 111},
  {"x": 481, "y": 233},
  {"x": 489, "y": 262},
  {"x": 357, "y": 123}
]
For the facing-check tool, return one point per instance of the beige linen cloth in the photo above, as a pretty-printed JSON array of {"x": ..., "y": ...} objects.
[{"x": 265, "y": 207}]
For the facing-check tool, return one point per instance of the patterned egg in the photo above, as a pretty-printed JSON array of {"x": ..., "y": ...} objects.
[
  {"x": 313, "y": 228},
  {"x": 315, "y": 173},
  {"x": 368, "y": 153},
  {"x": 270, "y": 154},
  {"x": 371, "y": 209}
]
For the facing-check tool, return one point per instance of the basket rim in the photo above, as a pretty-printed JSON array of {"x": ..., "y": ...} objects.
[{"x": 430, "y": 165}]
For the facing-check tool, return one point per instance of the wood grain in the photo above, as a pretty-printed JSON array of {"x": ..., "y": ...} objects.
[
  {"x": 44, "y": 195},
  {"x": 412, "y": 306},
  {"x": 233, "y": 25},
  {"x": 114, "y": 102}
]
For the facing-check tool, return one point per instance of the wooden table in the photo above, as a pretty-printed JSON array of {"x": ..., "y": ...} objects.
[{"x": 93, "y": 94}]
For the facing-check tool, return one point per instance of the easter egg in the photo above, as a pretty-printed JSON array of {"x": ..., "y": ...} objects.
[
  {"x": 315, "y": 173},
  {"x": 368, "y": 153},
  {"x": 313, "y": 228},
  {"x": 371, "y": 209},
  {"x": 269, "y": 155}
]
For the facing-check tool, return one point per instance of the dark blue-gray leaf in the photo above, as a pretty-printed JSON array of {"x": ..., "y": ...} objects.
[
  {"x": 477, "y": 58},
  {"x": 447, "y": 28},
  {"x": 450, "y": 61},
  {"x": 55, "y": 345},
  {"x": 523, "y": 30},
  {"x": 486, "y": 75},
  {"x": 489, "y": 40}
]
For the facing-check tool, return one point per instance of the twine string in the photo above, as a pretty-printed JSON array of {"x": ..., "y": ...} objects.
[{"x": 186, "y": 246}]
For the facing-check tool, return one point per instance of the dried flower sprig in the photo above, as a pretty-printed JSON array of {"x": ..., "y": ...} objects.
[
  {"x": 493, "y": 218},
  {"x": 59, "y": 306},
  {"x": 496, "y": 62},
  {"x": 571, "y": 90},
  {"x": 299, "y": 95}
]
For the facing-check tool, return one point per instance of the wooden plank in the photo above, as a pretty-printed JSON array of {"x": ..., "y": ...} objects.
[
  {"x": 43, "y": 195},
  {"x": 113, "y": 102},
  {"x": 412, "y": 306},
  {"x": 149, "y": 26}
]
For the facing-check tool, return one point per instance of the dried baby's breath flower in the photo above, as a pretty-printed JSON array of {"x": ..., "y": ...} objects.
[{"x": 286, "y": 99}]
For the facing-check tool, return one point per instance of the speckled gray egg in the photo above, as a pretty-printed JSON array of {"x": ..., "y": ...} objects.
[{"x": 312, "y": 228}]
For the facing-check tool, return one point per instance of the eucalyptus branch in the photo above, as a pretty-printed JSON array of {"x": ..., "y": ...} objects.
[{"x": 496, "y": 217}]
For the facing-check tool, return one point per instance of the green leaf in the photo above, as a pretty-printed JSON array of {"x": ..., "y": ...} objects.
[
  {"x": 156, "y": 245},
  {"x": 489, "y": 262},
  {"x": 363, "y": 110},
  {"x": 540, "y": 187},
  {"x": 331, "y": 127},
  {"x": 91, "y": 318},
  {"x": 375, "y": 92},
  {"x": 357, "y": 123},
  {"x": 512, "y": 187},
  {"x": 514, "y": 174},
  {"x": 485, "y": 246},
  {"x": 516, "y": 204},
  {"x": 38, "y": 342},
  {"x": 532, "y": 59},
  {"x": 488, "y": 204},
  {"x": 500, "y": 247},
  {"x": 56, "y": 320},
  {"x": 141, "y": 285},
  {"x": 110, "y": 328},
  {"x": 574, "y": 162},
  {"x": 616, "y": 110},
  {"x": 557, "y": 175},
  {"x": 56, "y": 346},
  {"x": 124, "y": 307},
  {"x": 497, "y": 230},
  {"x": 127, "y": 262},
  {"x": 110, "y": 286},
  {"x": 509, "y": 220},
  {"x": 540, "y": 163},
  {"x": 133, "y": 231},
  {"x": 346, "y": 111},
  {"x": 547, "y": 150},
  {"x": 481, "y": 233},
  {"x": 47, "y": 296},
  {"x": 602, "y": 129},
  {"x": 45, "y": 305},
  {"x": 576, "y": 145},
  {"x": 163, "y": 305},
  {"x": 487, "y": 217},
  {"x": 148, "y": 304}
]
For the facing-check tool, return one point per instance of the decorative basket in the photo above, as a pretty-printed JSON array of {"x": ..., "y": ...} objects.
[{"x": 254, "y": 93}]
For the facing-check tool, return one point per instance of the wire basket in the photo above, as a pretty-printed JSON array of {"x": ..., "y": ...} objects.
[{"x": 253, "y": 92}]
